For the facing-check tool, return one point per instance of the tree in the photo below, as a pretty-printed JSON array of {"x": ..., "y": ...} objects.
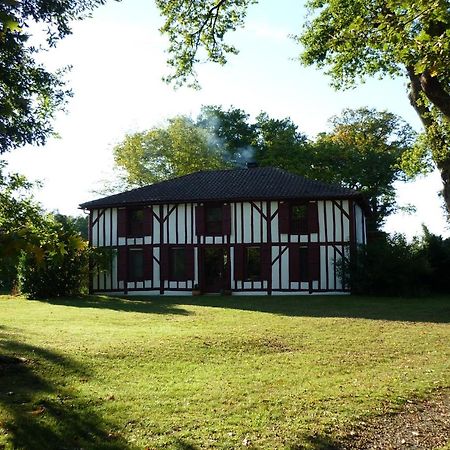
[
  {"x": 167, "y": 152},
  {"x": 364, "y": 151},
  {"x": 30, "y": 95},
  {"x": 352, "y": 40}
]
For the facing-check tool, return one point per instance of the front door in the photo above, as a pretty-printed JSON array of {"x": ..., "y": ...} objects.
[{"x": 215, "y": 269}]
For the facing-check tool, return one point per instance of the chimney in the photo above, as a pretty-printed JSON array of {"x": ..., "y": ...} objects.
[{"x": 251, "y": 164}]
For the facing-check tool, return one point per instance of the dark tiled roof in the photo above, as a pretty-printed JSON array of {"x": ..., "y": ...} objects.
[{"x": 260, "y": 183}]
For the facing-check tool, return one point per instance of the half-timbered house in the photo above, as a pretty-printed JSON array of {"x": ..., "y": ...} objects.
[{"x": 246, "y": 231}]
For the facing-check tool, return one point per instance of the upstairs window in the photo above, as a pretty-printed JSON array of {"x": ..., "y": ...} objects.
[
  {"x": 299, "y": 219},
  {"x": 213, "y": 220},
  {"x": 135, "y": 222}
]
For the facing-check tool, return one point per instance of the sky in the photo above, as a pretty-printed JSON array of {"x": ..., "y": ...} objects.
[{"x": 118, "y": 59}]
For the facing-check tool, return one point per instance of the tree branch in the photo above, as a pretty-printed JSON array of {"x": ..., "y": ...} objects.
[
  {"x": 415, "y": 88},
  {"x": 435, "y": 92}
]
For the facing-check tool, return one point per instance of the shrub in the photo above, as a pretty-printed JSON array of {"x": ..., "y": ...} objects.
[{"x": 389, "y": 265}]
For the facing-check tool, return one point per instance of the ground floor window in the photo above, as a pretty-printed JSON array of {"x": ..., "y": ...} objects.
[
  {"x": 303, "y": 264},
  {"x": 177, "y": 258},
  {"x": 253, "y": 263},
  {"x": 135, "y": 264}
]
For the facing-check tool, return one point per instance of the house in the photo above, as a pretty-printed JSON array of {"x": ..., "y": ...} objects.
[{"x": 258, "y": 230}]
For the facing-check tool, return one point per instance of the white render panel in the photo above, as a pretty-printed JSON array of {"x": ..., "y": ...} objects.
[
  {"x": 346, "y": 230},
  {"x": 100, "y": 234},
  {"x": 172, "y": 224},
  {"x": 196, "y": 265},
  {"x": 256, "y": 223},
  {"x": 156, "y": 268},
  {"x": 285, "y": 270},
  {"x": 359, "y": 225},
  {"x": 323, "y": 267},
  {"x": 238, "y": 222},
  {"x": 275, "y": 267},
  {"x": 107, "y": 222},
  {"x": 94, "y": 228},
  {"x": 114, "y": 226},
  {"x": 331, "y": 268},
  {"x": 337, "y": 262},
  {"x": 274, "y": 223},
  {"x": 247, "y": 223},
  {"x": 264, "y": 222},
  {"x": 321, "y": 211},
  {"x": 338, "y": 223},
  {"x": 329, "y": 221},
  {"x": 122, "y": 241}
]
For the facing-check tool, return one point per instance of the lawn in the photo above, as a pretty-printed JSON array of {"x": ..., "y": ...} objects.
[{"x": 212, "y": 372}]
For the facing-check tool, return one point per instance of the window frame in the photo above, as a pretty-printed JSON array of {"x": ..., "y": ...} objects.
[
  {"x": 218, "y": 223},
  {"x": 135, "y": 229},
  {"x": 131, "y": 276},
  {"x": 172, "y": 275},
  {"x": 247, "y": 250},
  {"x": 300, "y": 225}
]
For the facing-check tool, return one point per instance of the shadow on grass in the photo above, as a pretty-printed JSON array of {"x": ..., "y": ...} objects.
[
  {"x": 432, "y": 309},
  {"x": 149, "y": 305},
  {"x": 44, "y": 414}
]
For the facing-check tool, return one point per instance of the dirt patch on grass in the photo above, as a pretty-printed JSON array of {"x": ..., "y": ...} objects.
[{"x": 421, "y": 424}]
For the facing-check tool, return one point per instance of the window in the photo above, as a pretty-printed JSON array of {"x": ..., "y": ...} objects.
[
  {"x": 213, "y": 220},
  {"x": 299, "y": 219},
  {"x": 253, "y": 263},
  {"x": 177, "y": 260},
  {"x": 135, "y": 264},
  {"x": 303, "y": 264},
  {"x": 135, "y": 222}
]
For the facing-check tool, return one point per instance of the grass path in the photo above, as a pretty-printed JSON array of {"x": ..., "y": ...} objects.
[{"x": 212, "y": 372}]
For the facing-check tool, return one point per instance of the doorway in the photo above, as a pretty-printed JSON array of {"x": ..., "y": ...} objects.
[{"x": 215, "y": 269}]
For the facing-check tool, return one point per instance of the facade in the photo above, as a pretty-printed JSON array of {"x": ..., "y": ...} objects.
[{"x": 248, "y": 231}]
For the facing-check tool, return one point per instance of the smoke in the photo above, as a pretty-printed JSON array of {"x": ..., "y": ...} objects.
[{"x": 234, "y": 157}]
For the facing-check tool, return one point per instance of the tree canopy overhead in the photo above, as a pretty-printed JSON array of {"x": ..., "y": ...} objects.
[
  {"x": 364, "y": 150},
  {"x": 350, "y": 40},
  {"x": 29, "y": 94}
]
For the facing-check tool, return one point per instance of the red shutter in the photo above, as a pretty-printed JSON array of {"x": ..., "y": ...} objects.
[
  {"x": 148, "y": 221},
  {"x": 314, "y": 262},
  {"x": 122, "y": 264},
  {"x": 313, "y": 218},
  {"x": 226, "y": 220},
  {"x": 283, "y": 218},
  {"x": 189, "y": 263},
  {"x": 294, "y": 263},
  {"x": 199, "y": 220},
  {"x": 121, "y": 222},
  {"x": 239, "y": 262},
  {"x": 266, "y": 260},
  {"x": 148, "y": 262},
  {"x": 164, "y": 262}
]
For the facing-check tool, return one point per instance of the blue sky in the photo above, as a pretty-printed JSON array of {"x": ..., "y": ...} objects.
[{"x": 118, "y": 59}]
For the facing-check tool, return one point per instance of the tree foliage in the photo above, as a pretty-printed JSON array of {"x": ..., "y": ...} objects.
[
  {"x": 202, "y": 24},
  {"x": 29, "y": 94},
  {"x": 351, "y": 40},
  {"x": 41, "y": 254},
  {"x": 166, "y": 152},
  {"x": 364, "y": 150}
]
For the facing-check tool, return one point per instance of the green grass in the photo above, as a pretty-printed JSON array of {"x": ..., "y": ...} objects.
[{"x": 212, "y": 372}]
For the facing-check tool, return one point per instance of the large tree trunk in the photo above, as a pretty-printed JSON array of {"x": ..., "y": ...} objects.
[{"x": 426, "y": 85}]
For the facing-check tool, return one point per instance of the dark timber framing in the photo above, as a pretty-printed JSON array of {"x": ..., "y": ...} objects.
[{"x": 335, "y": 228}]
